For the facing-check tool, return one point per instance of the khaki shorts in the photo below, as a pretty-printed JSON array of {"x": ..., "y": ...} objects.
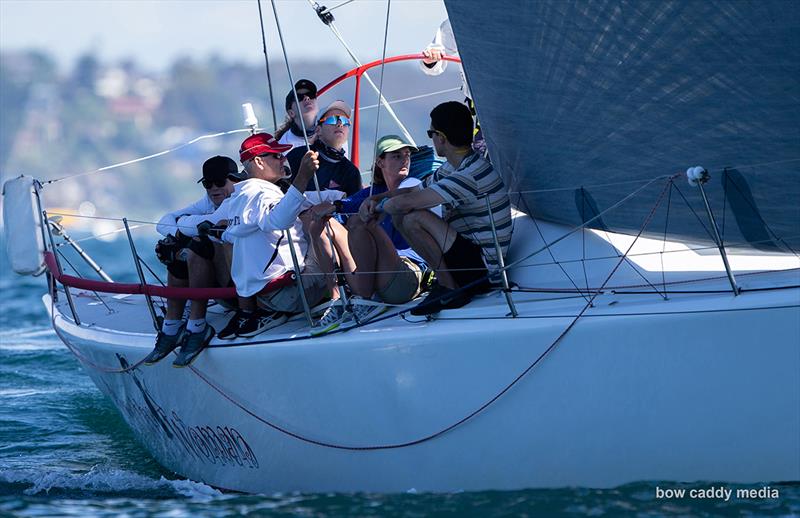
[
  {"x": 287, "y": 299},
  {"x": 404, "y": 285}
]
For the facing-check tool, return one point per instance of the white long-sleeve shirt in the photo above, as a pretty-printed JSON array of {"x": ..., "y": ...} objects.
[
  {"x": 168, "y": 224},
  {"x": 258, "y": 215},
  {"x": 188, "y": 223},
  {"x": 445, "y": 41}
]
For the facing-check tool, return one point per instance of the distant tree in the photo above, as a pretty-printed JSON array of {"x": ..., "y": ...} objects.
[
  {"x": 19, "y": 73},
  {"x": 86, "y": 70},
  {"x": 196, "y": 97}
]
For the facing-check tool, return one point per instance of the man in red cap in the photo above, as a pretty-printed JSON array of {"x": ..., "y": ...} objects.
[{"x": 259, "y": 215}]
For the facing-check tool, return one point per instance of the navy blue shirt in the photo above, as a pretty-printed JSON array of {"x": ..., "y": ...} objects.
[{"x": 340, "y": 175}]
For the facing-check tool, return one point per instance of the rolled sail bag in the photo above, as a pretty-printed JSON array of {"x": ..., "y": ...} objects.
[{"x": 23, "y": 224}]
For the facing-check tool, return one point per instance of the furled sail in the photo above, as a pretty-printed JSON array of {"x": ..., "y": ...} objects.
[{"x": 574, "y": 95}]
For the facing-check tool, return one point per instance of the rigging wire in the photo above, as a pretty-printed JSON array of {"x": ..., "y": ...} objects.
[
  {"x": 328, "y": 20},
  {"x": 79, "y": 274},
  {"x": 336, "y": 261},
  {"x": 329, "y": 9},
  {"x": 412, "y": 98},
  {"x": 148, "y": 157},
  {"x": 380, "y": 95},
  {"x": 266, "y": 63}
]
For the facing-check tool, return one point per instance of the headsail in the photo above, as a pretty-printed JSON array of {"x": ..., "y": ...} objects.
[{"x": 574, "y": 94}]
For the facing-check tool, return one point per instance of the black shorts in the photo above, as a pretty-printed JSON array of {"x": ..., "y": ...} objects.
[{"x": 465, "y": 261}]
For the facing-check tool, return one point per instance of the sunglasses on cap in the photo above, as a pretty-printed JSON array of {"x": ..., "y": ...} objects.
[{"x": 333, "y": 120}]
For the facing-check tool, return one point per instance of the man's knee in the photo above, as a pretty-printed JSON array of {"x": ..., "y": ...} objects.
[
  {"x": 202, "y": 248},
  {"x": 316, "y": 228},
  {"x": 194, "y": 260}
]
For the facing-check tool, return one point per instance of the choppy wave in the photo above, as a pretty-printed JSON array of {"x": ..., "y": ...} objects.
[
  {"x": 106, "y": 482},
  {"x": 19, "y": 393}
]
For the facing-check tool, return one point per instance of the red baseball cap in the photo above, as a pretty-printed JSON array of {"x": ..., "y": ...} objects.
[{"x": 259, "y": 144}]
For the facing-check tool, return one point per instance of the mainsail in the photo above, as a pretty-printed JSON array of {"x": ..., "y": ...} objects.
[{"x": 575, "y": 95}]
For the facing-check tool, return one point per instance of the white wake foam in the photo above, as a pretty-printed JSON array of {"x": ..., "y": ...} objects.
[{"x": 104, "y": 480}]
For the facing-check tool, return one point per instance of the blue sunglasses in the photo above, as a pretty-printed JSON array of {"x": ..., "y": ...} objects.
[{"x": 336, "y": 119}]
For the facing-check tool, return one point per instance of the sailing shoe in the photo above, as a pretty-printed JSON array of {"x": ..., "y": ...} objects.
[
  {"x": 441, "y": 298},
  {"x": 165, "y": 344},
  {"x": 259, "y": 321},
  {"x": 333, "y": 317},
  {"x": 364, "y": 310},
  {"x": 193, "y": 344},
  {"x": 229, "y": 331}
]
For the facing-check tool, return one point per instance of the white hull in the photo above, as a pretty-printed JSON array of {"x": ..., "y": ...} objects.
[{"x": 696, "y": 387}]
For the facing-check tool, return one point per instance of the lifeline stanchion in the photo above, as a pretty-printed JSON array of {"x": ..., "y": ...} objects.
[
  {"x": 141, "y": 275},
  {"x": 60, "y": 271},
  {"x": 500, "y": 261},
  {"x": 701, "y": 177}
]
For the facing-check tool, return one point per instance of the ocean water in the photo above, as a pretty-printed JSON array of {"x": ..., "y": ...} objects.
[{"x": 65, "y": 451}]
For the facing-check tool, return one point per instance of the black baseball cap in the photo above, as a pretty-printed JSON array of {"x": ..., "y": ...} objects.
[
  {"x": 221, "y": 167},
  {"x": 302, "y": 85}
]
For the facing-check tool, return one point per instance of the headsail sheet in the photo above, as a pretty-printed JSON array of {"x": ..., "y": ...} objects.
[{"x": 583, "y": 101}]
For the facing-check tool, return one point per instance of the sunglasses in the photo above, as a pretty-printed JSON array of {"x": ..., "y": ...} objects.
[
  {"x": 431, "y": 133},
  {"x": 302, "y": 96},
  {"x": 277, "y": 156},
  {"x": 333, "y": 120},
  {"x": 208, "y": 184}
]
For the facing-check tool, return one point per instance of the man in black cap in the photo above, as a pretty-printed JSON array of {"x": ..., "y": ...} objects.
[
  {"x": 195, "y": 262},
  {"x": 291, "y": 132}
]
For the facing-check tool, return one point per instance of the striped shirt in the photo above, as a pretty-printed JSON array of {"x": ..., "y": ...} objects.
[{"x": 464, "y": 189}]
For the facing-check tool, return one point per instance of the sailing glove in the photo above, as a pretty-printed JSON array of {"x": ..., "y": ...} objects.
[{"x": 208, "y": 229}]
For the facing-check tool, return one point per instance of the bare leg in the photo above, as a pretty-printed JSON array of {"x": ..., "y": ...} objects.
[
  {"x": 430, "y": 236},
  {"x": 201, "y": 275},
  {"x": 321, "y": 245},
  {"x": 175, "y": 307},
  {"x": 375, "y": 257}
]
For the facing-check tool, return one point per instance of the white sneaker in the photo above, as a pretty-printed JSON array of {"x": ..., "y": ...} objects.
[
  {"x": 333, "y": 317},
  {"x": 364, "y": 310}
]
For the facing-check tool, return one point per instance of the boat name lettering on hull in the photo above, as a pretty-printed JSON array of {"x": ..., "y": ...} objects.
[{"x": 214, "y": 444}]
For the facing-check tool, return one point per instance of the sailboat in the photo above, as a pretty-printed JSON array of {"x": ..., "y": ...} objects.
[{"x": 650, "y": 327}]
